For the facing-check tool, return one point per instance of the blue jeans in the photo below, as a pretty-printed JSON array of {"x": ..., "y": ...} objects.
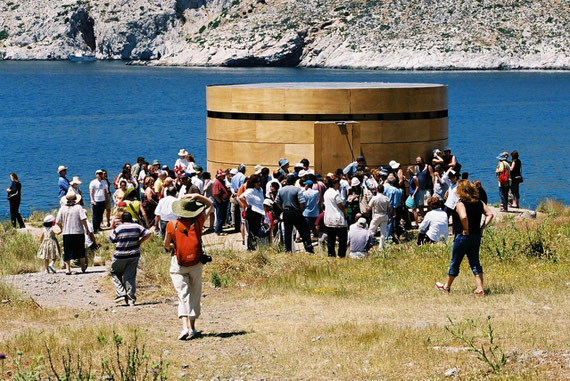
[
  {"x": 465, "y": 244},
  {"x": 504, "y": 193},
  {"x": 221, "y": 213}
]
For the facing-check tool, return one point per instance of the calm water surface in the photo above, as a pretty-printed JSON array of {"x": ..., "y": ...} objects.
[{"x": 100, "y": 115}]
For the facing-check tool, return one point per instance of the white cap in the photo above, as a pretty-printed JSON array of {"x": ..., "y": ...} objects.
[
  {"x": 302, "y": 173},
  {"x": 394, "y": 164},
  {"x": 354, "y": 182},
  {"x": 299, "y": 165},
  {"x": 233, "y": 171},
  {"x": 49, "y": 218},
  {"x": 361, "y": 222}
]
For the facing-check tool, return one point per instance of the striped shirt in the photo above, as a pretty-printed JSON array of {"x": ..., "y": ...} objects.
[{"x": 126, "y": 239}]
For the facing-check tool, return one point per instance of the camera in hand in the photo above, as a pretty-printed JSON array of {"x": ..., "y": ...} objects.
[{"x": 205, "y": 258}]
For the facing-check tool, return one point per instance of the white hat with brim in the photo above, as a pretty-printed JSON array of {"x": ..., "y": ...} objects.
[
  {"x": 394, "y": 164},
  {"x": 233, "y": 171},
  {"x": 182, "y": 152},
  {"x": 258, "y": 169},
  {"x": 354, "y": 182},
  {"x": 72, "y": 196},
  {"x": 303, "y": 173},
  {"x": 75, "y": 181},
  {"x": 188, "y": 208},
  {"x": 61, "y": 168}
]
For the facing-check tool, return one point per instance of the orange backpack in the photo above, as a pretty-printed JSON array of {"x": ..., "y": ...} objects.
[{"x": 188, "y": 243}]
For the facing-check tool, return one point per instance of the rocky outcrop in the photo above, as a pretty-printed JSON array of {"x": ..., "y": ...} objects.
[{"x": 392, "y": 34}]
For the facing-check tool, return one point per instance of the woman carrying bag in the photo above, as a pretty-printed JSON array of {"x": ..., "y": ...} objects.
[{"x": 184, "y": 241}]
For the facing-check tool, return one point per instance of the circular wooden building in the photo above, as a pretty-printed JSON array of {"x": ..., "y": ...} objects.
[{"x": 328, "y": 123}]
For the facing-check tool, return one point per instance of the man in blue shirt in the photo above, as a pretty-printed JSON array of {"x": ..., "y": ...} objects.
[
  {"x": 63, "y": 182},
  {"x": 237, "y": 181},
  {"x": 395, "y": 195},
  {"x": 351, "y": 169},
  {"x": 311, "y": 211}
]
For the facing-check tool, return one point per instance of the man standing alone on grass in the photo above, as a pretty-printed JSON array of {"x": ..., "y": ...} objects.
[
  {"x": 98, "y": 192},
  {"x": 127, "y": 237}
]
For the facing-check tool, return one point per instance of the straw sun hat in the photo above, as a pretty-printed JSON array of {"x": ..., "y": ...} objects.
[
  {"x": 182, "y": 152},
  {"x": 188, "y": 208}
]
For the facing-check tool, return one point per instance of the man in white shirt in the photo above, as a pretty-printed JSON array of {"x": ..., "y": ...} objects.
[
  {"x": 452, "y": 198},
  {"x": 380, "y": 207},
  {"x": 434, "y": 227},
  {"x": 196, "y": 180},
  {"x": 163, "y": 211},
  {"x": 98, "y": 193}
]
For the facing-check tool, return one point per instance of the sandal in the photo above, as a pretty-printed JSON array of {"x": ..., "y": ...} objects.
[
  {"x": 68, "y": 273},
  {"x": 442, "y": 288},
  {"x": 479, "y": 292}
]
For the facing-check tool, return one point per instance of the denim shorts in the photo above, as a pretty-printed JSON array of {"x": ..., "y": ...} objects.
[{"x": 462, "y": 245}]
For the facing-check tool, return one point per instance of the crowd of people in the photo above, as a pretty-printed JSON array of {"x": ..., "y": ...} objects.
[{"x": 351, "y": 209}]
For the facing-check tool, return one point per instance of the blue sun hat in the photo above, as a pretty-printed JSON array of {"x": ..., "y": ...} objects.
[{"x": 503, "y": 156}]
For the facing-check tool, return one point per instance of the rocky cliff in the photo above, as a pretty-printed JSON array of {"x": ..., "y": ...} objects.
[{"x": 389, "y": 34}]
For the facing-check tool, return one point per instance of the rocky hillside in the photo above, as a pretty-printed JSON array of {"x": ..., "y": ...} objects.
[{"x": 389, "y": 34}]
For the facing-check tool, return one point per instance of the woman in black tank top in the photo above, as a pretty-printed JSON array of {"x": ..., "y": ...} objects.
[{"x": 468, "y": 230}]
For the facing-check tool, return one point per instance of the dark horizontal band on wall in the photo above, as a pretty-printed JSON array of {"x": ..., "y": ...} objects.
[{"x": 329, "y": 117}]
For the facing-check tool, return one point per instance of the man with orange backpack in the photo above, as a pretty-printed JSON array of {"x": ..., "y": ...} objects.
[
  {"x": 503, "y": 172},
  {"x": 184, "y": 241}
]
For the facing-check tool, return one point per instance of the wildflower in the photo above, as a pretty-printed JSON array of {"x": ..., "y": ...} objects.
[{"x": 2, "y": 356}]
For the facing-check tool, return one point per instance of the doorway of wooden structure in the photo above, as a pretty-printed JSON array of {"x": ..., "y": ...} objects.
[{"x": 336, "y": 144}]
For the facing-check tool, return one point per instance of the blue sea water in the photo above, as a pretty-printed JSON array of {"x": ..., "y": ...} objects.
[{"x": 102, "y": 114}]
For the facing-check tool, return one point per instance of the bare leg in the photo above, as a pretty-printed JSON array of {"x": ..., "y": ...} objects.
[
  {"x": 449, "y": 282},
  {"x": 68, "y": 266},
  {"x": 184, "y": 322},
  {"x": 108, "y": 212},
  {"x": 479, "y": 283},
  {"x": 47, "y": 265},
  {"x": 193, "y": 324}
]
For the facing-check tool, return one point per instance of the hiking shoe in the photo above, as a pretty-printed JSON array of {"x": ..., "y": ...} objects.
[
  {"x": 441, "y": 287},
  {"x": 184, "y": 334}
]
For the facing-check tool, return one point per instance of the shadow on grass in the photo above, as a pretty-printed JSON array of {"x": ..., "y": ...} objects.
[{"x": 223, "y": 335}]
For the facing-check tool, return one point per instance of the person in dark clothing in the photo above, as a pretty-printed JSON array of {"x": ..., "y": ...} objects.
[
  {"x": 15, "y": 197},
  {"x": 516, "y": 178},
  {"x": 291, "y": 200},
  {"x": 468, "y": 231}
]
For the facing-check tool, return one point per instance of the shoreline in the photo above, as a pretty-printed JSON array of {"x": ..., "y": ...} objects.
[{"x": 402, "y": 69}]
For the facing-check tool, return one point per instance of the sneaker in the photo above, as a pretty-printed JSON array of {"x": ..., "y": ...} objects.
[
  {"x": 130, "y": 302},
  {"x": 441, "y": 288},
  {"x": 121, "y": 300},
  {"x": 47, "y": 272},
  {"x": 184, "y": 334},
  {"x": 52, "y": 268},
  {"x": 193, "y": 334}
]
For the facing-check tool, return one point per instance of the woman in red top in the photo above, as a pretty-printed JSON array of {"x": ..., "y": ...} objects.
[{"x": 221, "y": 195}]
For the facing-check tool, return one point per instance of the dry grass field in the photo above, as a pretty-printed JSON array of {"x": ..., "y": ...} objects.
[{"x": 280, "y": 316}]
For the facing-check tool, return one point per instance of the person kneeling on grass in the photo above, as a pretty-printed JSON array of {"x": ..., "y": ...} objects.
[
  {"x": 184, "y": 241},
  {"x": 434, "y": 227},
  {"x": 127, "y": 237},
  {"x": 360, "y": 239}
]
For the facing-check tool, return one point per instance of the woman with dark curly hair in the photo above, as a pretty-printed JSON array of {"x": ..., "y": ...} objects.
[
  {"x": 516, "y": 178},
  {"x": 468, "y": 231}
]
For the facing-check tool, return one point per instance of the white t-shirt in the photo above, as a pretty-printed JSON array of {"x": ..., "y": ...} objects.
[
  {"x": 435, "y": 225},
  {"x": 70, "y": 218},
  {"x": 199, "y": 183},
  {"x": 254, "y": 198},
  {"x": 452, "y": 198},
  {"x": 343, "y": 189},
  {"x": 99, "y": 190},
  {"x": 334, "y": 217},
  {"x": 164, "y": 209},
  {"x": 380, "y": 205},
  {"x": 181, "y": 162}
]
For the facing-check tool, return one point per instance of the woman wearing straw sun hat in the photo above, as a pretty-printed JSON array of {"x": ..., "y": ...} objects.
[{"x": 184, "y": 240}]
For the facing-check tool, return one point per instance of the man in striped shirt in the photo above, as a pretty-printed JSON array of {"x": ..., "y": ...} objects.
[{"x": 127, "y": 238}]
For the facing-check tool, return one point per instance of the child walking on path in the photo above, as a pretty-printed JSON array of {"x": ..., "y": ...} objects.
[{"x": 49, "y": 247}]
